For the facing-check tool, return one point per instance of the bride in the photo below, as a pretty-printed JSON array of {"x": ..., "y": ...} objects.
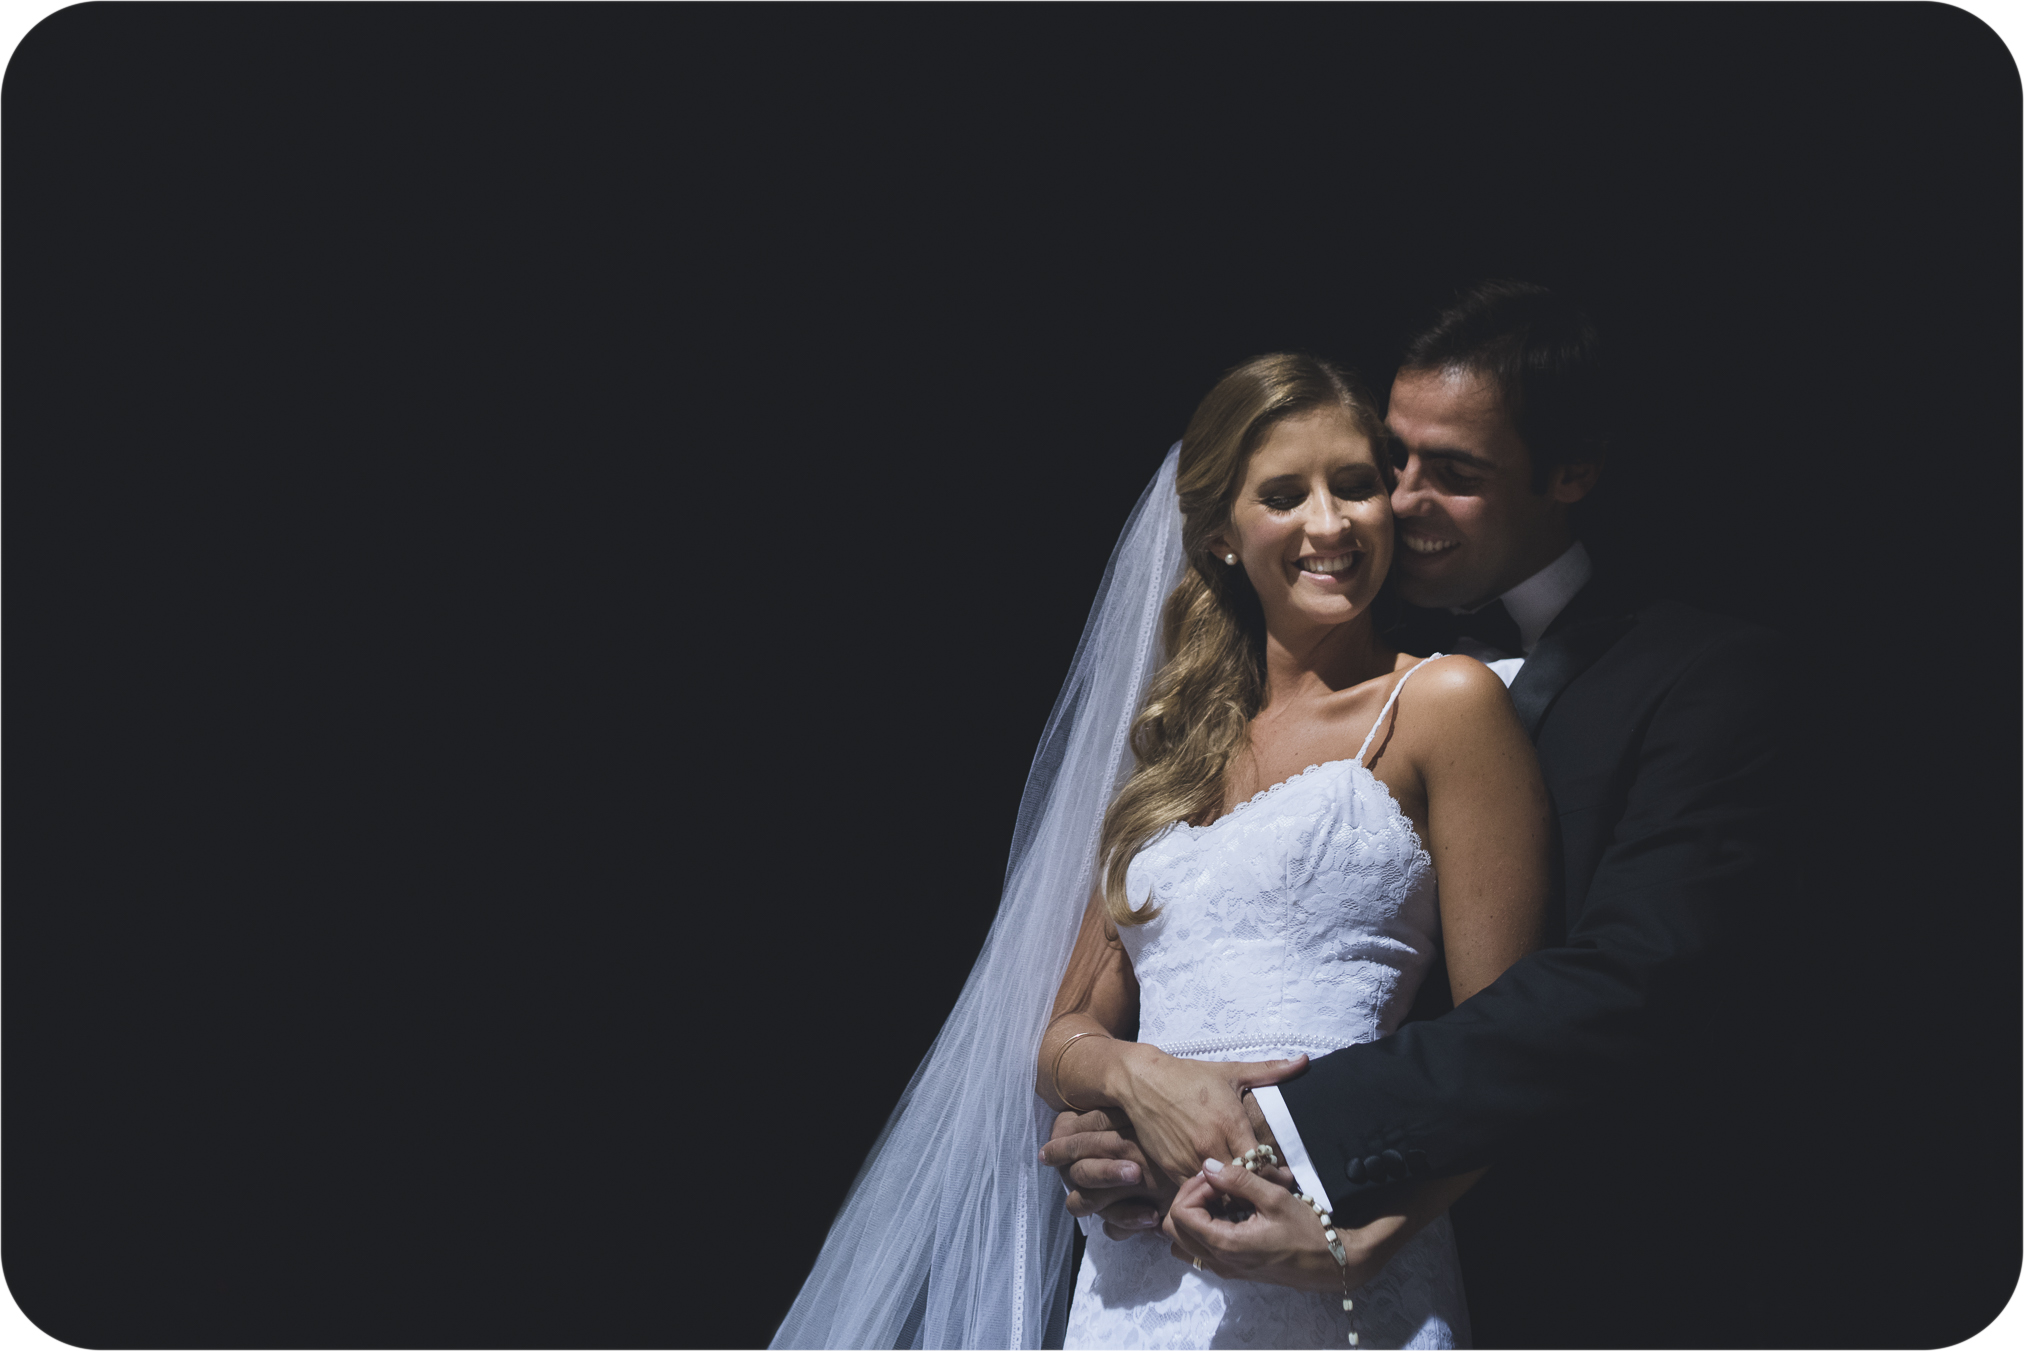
[
  {"x": 1261, "y": 888},
  {"x": 1268, "y": 884}
]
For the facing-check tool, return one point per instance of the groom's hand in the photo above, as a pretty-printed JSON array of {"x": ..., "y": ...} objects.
[
  {"x": 1106, "y": 1172},
  {"x": 1260, "y": 1127}
]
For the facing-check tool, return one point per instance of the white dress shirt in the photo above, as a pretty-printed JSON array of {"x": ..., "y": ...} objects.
[{"x": 1533, "y": 605}]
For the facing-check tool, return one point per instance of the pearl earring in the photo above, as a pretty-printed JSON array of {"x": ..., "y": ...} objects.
[{"x": 1231, "y": 559}]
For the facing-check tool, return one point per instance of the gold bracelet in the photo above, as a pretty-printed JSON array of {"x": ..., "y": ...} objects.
[{"x": 1057, "y": 1066}]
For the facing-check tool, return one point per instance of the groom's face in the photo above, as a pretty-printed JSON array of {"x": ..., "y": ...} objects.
[{"x": 1470, "y": 525}]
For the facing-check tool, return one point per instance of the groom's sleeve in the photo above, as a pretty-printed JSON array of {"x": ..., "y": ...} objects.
[{"x": 1691, "y": 858}]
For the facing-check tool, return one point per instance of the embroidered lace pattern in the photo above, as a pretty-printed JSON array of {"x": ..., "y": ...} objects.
[{"x": 1302, "y": 921}]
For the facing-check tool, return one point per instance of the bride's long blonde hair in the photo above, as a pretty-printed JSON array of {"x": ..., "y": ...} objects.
[{"x": 1198, "y": 709}]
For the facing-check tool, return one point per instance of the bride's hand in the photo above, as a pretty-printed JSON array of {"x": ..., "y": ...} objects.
[
  {"x": 1241, "y": 1227},
  {"x": 1188, "y": 1110}
]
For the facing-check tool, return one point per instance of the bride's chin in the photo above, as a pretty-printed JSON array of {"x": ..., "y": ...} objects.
[
  {"x": 1310, "y": 617},
  {"x": 1339, "y": 605}
]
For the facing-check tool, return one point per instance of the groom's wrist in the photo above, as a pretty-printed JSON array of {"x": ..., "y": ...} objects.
[{"x": 1260, "y": 1127}]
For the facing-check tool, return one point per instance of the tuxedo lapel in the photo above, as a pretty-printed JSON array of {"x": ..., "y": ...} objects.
[{"x": 1582, "y": 632}]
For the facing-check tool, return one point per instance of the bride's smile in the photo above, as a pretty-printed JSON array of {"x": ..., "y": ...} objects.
[
  {"x": 1330, "y": 569},
  {"x": 1312, "y": 524}
]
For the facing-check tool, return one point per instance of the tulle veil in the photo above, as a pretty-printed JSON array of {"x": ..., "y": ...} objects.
[{"x": 953, "y": 1234}]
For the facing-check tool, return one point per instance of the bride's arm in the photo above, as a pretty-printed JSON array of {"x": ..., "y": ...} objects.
[
  {"x": 1488, "y": 819},
  {"x": 1098, "y": 996},
  {"x": 1488, "y": 832},
  {"x": 1183, "y": 1111},
  {"x": 1100, "y": 1164}
]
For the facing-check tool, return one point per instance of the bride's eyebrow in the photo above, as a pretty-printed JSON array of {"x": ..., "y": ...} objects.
[{"x": 1299, "y": 480}]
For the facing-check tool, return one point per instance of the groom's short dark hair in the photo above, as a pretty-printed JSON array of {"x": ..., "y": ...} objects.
[{"x": 1543, "y": 354}]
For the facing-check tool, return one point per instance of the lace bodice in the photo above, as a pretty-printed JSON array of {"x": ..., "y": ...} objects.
[{"x": 1302, "y": 921}]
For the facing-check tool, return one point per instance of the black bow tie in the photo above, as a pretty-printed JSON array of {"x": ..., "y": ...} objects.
[{"x": 1492, "y": 626}]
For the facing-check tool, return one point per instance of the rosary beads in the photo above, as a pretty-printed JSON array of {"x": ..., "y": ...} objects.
[
  {"x": 1266, "y": 1154},
  {"x": 1335, "y": 1250},
  {"x": 1254, "y": 1156}
]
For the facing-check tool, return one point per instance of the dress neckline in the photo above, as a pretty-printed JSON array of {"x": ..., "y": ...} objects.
[
  {"x": 1398, "y": 814},
  {"x": 1264, "y": 793}
]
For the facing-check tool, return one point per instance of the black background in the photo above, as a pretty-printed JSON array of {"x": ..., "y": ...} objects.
[{"x": 541, "y": 540}]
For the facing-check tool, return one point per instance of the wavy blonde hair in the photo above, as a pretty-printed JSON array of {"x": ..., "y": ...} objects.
[{"x": 1198, "y": 709}]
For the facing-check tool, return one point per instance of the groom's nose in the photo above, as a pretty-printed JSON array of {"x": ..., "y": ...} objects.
[{"x": 1410, "y": 497}]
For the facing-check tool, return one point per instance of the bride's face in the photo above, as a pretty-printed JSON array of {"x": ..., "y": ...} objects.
[{"x": 1312, "y": 524}]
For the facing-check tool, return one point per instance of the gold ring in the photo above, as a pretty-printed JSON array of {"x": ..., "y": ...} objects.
[{"x": 1198, "y": 1264}]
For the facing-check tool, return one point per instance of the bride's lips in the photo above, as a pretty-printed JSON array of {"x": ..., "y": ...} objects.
[{"x": 1328, "y": 569}]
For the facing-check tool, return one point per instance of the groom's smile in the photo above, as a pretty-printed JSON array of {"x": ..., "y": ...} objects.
[
  {"x": 1424, "y": 556},
  {"x": 1420, "y": 543},
  {"x": 1470, "y": 522}
]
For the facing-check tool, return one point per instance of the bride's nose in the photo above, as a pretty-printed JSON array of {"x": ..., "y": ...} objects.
[{"x": 1328, "y": 519}]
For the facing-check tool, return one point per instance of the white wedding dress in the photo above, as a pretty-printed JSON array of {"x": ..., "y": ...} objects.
[{"x": 1303, "y": 921}]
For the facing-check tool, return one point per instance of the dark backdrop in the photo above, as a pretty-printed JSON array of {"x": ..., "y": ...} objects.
[{"x": 540, "y": 541}]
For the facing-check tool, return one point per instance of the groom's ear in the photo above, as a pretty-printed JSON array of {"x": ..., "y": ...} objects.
[{"x": 1569, "y": 483}]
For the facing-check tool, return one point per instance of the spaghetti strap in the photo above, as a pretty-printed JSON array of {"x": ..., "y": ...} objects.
[{"x": 1389, "y": 701}]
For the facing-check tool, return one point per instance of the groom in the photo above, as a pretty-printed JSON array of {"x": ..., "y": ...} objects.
[{"x": 1582, "y": 1074}]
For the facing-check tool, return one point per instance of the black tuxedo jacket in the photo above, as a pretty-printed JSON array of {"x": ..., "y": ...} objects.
[{"x": 1657, "y": 727}]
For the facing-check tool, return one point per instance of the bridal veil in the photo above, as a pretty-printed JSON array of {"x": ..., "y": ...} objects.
[{"x": 953, "y": 1234}]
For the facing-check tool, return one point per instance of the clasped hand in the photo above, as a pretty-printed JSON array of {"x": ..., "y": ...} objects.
[
  {"x": 1126, "y": 1163},
  {"x": 1097, "y": 1154},
  {"x": 1240, "y": 1224},
  {"x": 1185, "y": 1111},
  {"x": 1248, "y": 1226}
]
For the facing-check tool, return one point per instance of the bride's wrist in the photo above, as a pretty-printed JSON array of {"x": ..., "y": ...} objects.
[{"x": 1127, "y": 1066}]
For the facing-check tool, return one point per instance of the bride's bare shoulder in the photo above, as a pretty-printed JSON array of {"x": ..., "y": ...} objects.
[{"x": 1455, "y": 687}]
